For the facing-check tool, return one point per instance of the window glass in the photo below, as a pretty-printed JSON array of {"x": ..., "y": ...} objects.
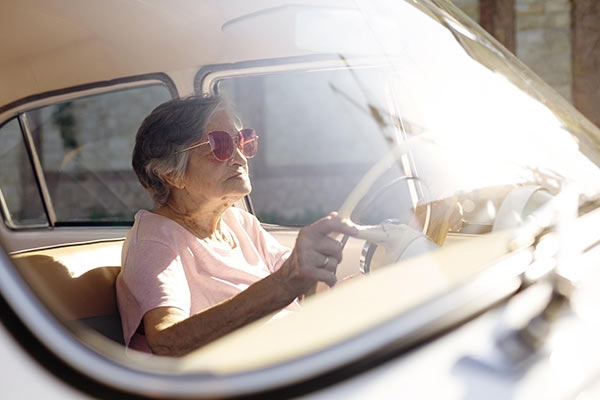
[
  {"x": 319, "y": 132},
  {"x": 19, "y": 194},
  {"x": 85, "y": 148}
]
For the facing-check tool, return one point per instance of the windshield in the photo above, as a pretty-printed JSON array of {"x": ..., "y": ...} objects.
[
  {"x": 462, "y": 130},
  {"x": 416, "y": 128}
]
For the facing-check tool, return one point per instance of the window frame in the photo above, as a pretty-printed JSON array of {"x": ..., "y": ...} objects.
[
  {"x": 207, "y": 78},
  {"x": 20, "y": 108}
]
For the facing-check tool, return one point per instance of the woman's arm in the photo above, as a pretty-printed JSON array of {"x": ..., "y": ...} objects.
[{"x": 170, "y": 332}]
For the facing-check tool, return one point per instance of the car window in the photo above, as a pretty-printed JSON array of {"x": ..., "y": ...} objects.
[
  {"x": 19, "y": 195},
  {"x": 319, "y": 133},
  {"x": 84, "y": 148}
]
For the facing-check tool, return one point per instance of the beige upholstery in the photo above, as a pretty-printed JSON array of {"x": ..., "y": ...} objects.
[{"x": 77, "y": 282}]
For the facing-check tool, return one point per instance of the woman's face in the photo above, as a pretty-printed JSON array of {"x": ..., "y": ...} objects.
[{"x": 208, "y": 179}]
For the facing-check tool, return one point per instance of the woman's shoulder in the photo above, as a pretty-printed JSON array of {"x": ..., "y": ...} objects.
[
  {"x": 151, "y": 226},
  {"x": 144, "y": 219},
  {"x": 146, "y": 238}
]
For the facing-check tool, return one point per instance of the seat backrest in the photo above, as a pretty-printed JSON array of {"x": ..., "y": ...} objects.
[{"x": 77, "y": 283}]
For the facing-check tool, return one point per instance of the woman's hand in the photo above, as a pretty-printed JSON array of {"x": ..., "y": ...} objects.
[{"x": 315, "y": 256}]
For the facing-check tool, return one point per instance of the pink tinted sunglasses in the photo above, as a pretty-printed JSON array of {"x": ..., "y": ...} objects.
[{"x": 222, "y": 146}]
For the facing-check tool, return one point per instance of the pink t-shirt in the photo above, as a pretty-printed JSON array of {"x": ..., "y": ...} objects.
[{"x": 166, "y": 265}]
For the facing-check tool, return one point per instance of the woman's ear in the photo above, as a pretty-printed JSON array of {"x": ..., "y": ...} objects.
[{"x": 175, "y": 182}]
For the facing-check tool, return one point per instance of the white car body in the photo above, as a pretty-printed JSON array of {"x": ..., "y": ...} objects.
[{"x": 499, "y": 175}]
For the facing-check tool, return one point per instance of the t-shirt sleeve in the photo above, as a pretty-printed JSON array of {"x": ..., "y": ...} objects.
[
  {"x": 277, "y": 252},
  {"x": 273, "y": 252},
  {"x": 152, "y": 277}
]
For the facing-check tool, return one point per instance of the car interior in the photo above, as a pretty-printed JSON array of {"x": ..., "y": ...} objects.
[
  {"x": 77, "y": 283},
  {"x": 75, "y": 276}
]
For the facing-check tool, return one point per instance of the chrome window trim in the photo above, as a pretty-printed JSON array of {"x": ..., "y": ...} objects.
[
  {"x": 204, "y": 82},
  {"x": 37, "y": 170},
  {"x": 5, "y": 212},
  {"x": 70, "y": 93}
]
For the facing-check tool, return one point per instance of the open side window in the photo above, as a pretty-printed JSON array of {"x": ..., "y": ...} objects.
[
  {"x": 320, "y": 131},
  {"x": 78, "y": 169}
]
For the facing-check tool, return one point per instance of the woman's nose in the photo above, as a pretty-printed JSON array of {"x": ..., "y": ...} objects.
[{"x": 238, "y": 157}]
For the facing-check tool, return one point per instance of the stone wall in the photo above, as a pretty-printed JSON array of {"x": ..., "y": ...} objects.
[
  {"x": 586, "y": 58},
  {"x": 544, "y": 41},
  {"x": 543, "y": 38}
]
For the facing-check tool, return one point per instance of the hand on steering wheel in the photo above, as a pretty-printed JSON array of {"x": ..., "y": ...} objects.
[{"x": 316, "y": 255}]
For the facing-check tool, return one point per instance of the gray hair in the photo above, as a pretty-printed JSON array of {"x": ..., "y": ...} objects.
[{"x": 168, "y": 129}]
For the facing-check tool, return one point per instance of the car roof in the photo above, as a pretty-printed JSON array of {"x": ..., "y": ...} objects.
[{"x": 71, "y": 43}]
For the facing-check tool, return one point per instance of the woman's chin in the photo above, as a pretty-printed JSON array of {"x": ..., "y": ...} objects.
[{"x": 241, "y": 187}]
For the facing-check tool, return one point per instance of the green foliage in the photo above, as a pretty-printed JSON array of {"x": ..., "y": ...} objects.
[{"x": 64, "y": 119}]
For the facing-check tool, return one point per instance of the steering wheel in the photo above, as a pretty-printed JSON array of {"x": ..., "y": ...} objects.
[{"x": 390, "y": 241}]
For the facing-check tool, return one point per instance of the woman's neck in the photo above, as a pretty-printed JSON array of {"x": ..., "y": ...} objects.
[
  {"x": 203, "y": 225},
  {"x": 204, "y": 222}
]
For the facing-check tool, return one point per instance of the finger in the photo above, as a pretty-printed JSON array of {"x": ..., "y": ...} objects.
[
  {"x": 330, "y": 264},
  {"x": 329, "y": 247},
  {"x": 324, "y": 227},
  {"x": 309, "y": 243},
  {"x": 333, "y": 224},
  {"x": 316, "y": 260},
  {"x": 324, "y": 276}
]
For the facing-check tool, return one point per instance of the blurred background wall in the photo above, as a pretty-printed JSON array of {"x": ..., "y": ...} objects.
[{"x": 558, "y": 39}]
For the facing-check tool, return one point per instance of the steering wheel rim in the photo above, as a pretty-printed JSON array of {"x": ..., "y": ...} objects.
[
  {"x": 361, "y": 189},
  {"x": 365, "y": 183},
  {"x": 435, "y": 218}
]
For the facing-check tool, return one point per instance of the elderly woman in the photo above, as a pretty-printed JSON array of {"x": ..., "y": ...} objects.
[{"x": 195, "y": 268}]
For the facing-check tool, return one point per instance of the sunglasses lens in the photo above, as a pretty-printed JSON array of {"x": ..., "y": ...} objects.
[
  {"x": 221, "y": 145},
  {"x": 248, "y": 142}
]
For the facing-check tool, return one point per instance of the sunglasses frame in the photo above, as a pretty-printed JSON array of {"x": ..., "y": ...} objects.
[{"x": 240, "y": 143}]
